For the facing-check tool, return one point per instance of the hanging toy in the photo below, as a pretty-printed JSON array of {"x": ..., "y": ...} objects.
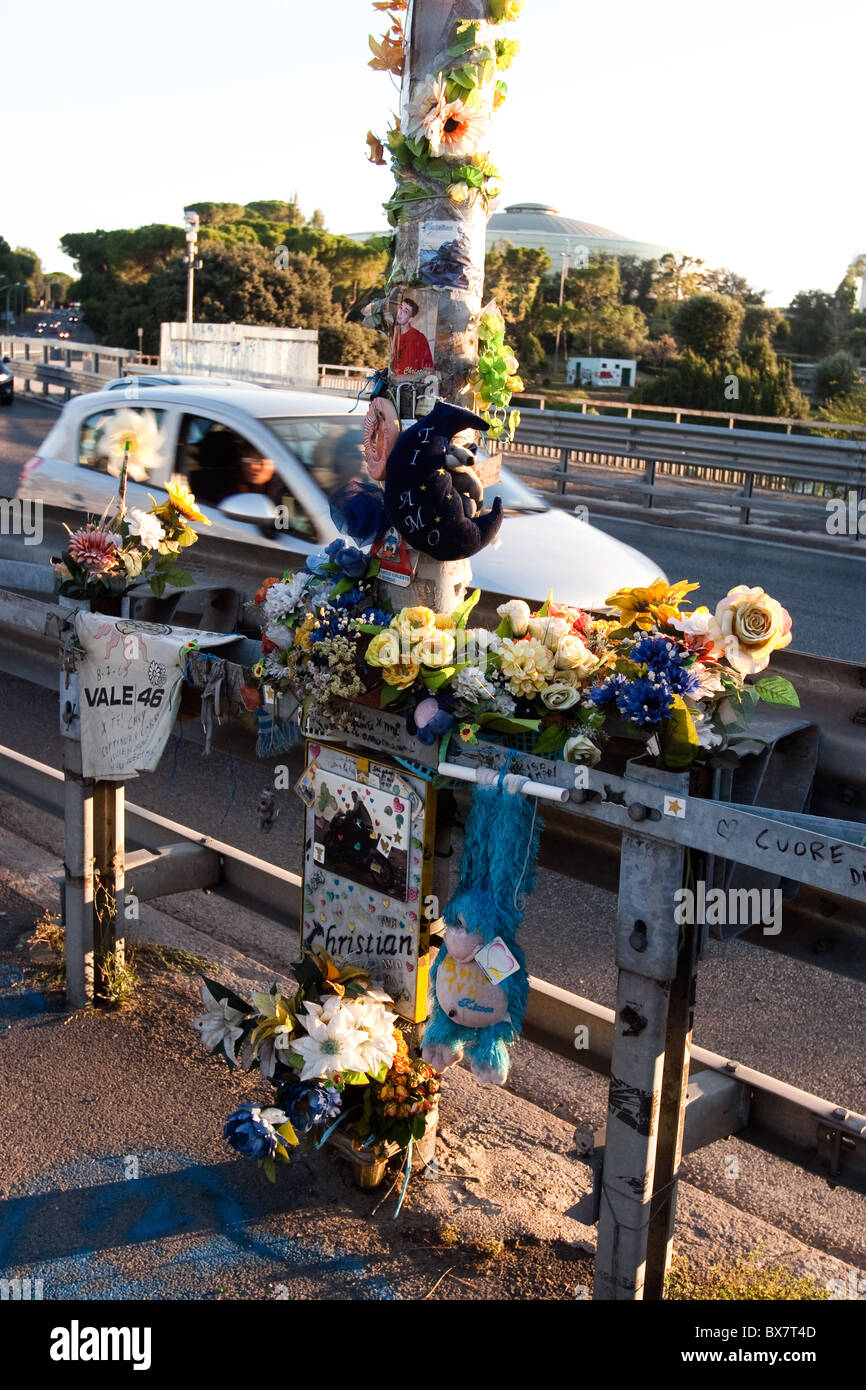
[
  {"x": 479, "y": 981},
  {"x": 268, "y": 809},
  {"x": 422, "y": 497}
]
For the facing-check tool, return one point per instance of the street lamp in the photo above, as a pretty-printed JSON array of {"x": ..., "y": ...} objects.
[
  {"x": 191, "y": 225},
  {"x": 564, "y": 255}
]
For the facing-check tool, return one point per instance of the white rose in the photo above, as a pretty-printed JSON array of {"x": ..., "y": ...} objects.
[
  {"x": 517, "y": 613},
  {"x": 573, "y": 654},
  {"x": 549, "y": 630},
  {"x": 559, "y": 695},
  {"x": 146, "y": 527},
  {"x": 581, "y": 749}
]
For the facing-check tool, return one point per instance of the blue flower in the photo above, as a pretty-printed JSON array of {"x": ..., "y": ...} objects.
[
  {"x": 310, "y": 1103},
  {"x": 682, "y": 681},
  {"x": 358, "y": 510},
  {"x": 320, "y": 564},
  {"x": 250, "y": 1130},
  {"x": 645, "y": 700},
  {"x": 606, "y": 693},
  {"x": 348, "y": 558},
  {"x": 350, "y": 598},
  {"x": 374, "y": 617},
  {"x": 657, "y": 652}
]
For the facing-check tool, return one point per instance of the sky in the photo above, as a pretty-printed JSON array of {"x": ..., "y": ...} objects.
[{"x": 730, "y": 130}]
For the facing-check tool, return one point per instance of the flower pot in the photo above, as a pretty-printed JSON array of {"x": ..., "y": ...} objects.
[{"x": 369, "y": 1168}]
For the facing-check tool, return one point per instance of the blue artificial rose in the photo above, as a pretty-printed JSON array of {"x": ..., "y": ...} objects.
[
  {"x": 249, "y": 1130},
  {"x": 319, "y": 564},
  {"x": 310, "y": 1103},
  {"x": 352, "y": 562}
]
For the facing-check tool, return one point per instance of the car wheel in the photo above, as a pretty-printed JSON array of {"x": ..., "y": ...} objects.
[{"x": 7, "y": 400}]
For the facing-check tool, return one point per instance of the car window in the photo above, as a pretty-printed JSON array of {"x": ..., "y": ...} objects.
[
  {"x": 101, "y": 441},
  {"x": 217, "y": 463},
  {"x": 331, "y": 447}
]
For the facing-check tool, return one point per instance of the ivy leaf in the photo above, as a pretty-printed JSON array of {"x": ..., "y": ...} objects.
[
  {"x": 775, "y": 690},
  {"x": 461, "y": 614}
]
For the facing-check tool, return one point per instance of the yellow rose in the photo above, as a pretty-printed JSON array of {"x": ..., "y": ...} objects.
[
  {"x": 437, "y": 649},
  {"x": 384, "y": 649},
  {"x": 573, "y": 655},
  {"x": 526, "y": 665},
  {"x": 401, "y": 676},
  {"x": 445, "y": 622},
  {"x": 413, "y": 624},
  {"x": 549, "y": 630},
  {"x": 559, "y": 695},
  {"x": 749, "y": 626}
]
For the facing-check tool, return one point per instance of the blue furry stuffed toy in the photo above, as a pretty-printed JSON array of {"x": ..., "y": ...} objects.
[{"x": 470, "y": 1013}]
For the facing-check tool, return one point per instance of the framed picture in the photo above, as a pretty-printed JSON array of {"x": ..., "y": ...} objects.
[{"x": 368, "y": 869}]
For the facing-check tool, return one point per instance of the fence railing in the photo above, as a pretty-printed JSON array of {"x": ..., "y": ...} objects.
[
  {"x": 651, "y": 465},
  {"x": 654, "y": 1113}
]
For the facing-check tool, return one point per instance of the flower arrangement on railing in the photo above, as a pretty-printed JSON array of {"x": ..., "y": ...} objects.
[
  {"x": 334, "y": 1058},
  {"x": 562, "y": 679},
  {"x": 129, "y": 547}
]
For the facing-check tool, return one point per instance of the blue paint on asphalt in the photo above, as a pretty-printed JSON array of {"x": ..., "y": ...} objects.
[
  {"x": 17, "y": 1003},
  {"x": 149, "y": 1217}
]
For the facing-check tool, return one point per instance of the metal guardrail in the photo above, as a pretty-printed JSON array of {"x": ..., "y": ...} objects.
[{"x": 647, "y": 463}]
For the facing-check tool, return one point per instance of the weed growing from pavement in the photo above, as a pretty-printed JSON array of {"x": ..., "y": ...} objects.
[
  {"x": 122, "y": 974},
  {"x": 738, "y": 1281},
  {"x": 154, "y": 955}
]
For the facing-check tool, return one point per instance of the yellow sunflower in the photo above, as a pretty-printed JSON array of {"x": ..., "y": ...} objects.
[
  {"x": 646, "y": 607},
  {"x": 183, "y": 501}
]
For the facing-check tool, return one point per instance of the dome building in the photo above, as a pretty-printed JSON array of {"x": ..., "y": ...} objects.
[{"x": 538, "y": 225}]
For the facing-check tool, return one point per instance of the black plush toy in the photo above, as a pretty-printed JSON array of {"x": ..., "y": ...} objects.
[{"x": 423, "y": 498}]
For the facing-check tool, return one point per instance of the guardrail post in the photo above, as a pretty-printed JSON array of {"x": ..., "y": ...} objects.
[
  {"x": 649, "y": 1064},
  {"x": 563, "y": 481},
  {"x": 745, "y": 512},
  {"x": 108, "y": 884},
  {"x": 650, "y": 479},
  {"x": 78, "y": 843}
]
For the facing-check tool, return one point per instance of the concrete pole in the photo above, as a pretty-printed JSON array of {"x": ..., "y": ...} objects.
[{"x": 108, "y": 883}]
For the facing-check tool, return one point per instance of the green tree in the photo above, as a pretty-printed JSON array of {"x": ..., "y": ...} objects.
[
  {"x": 637, "y": 282},
  {"x": 709, "y": 325},
  {"x": 351, "y": 344},
  {"x": 595, "y": 319},
  {"x": 513, "y": 276},
  {"x": 760, "y": 321},
  {"x": 733, "y": 286},
  {"x": 272, "y": 210},
  {"x": 836, "y": 375},
  {"x": 755, "y": 384}
]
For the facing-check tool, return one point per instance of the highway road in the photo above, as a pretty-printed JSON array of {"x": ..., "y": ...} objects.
[{"x": 823, "y": 592}]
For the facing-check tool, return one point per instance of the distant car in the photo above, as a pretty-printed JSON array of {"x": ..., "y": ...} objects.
[
  {"x": 7, "y": 385},
  {"x": 314, "y": 442},
  {"x": 63, "y": 334},
  {"x": 119, "y": 383}
]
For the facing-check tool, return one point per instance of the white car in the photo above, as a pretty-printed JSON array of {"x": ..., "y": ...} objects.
[{"x": 314, "y": 441}]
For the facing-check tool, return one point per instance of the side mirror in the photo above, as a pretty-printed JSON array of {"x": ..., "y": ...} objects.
[{"x": 250, "y": 506}]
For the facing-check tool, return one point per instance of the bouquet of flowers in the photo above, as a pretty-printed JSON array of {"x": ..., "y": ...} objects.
[
  {"x": 560, "y": 678},
  {"x": 128, "y": 547},
  {"x": 332, "y": 1054}
]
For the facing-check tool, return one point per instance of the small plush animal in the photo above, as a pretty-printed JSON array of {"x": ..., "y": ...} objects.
[
  {"x": 470, "y": 1014},
  {"x": 424, "y": 495}
]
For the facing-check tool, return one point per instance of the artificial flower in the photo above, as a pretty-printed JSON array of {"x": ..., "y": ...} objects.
[
  {"x": 384, "y": 649},
  {"x": 695, "y": 627},
  {"x": 435, "y": 650},
  {"x": 749, "y": 626},
  {"x": 707, "y": 735},
  {"x": 146, "y": 526},
  {"x": 580, "y": 749},
  {"x": 445, "y": 621},
  {"x": 219, "y": 1025},
  {"x": 284, "y": 595},
  {"x": 258, "y": 1133},
  {"x": 401, "y": 676},
  {"x": 273, "y": 1031},
  {"x": 348, "y": 558},
  {"x": 280, "y": 636},
  {"x": 518, "y": 613},
  {"x": 471, "y": 684},
  {"x": 139, "y": 430},
  {"x": 94, "y": 549},
  {"x": 428, "y": 721},
  {"x": 413, "y": 624},
  {"x": 548, "y": 630},
  {"x": 559, "y": 695},
  {"x": 658, "y": 603},
  {"x": 182, "y": 500},
  {"x": 309, "y": 1103},
  {"x": 304, "y": 633},
  {"x": 331, "y": 1046},
  {"x": 572, "y": 654},
  {"x": 526, "y": 665}
]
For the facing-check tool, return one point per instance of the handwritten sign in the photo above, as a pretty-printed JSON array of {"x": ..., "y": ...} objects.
[
  {"x": 374, "y": 728},
  {"x": 130, "y": 677},
  {"x": 368, "y": 864}
]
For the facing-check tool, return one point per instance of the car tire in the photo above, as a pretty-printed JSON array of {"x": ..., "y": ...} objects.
[{"x": 7, "y": 400}]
